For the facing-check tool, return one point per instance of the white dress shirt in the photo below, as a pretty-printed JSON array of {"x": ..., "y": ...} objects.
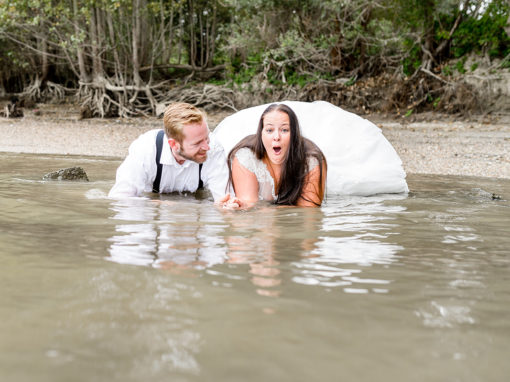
[{"x": 136, "y": 174}]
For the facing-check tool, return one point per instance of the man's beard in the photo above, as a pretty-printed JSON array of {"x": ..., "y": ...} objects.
[{"x": 195, "y": 158}]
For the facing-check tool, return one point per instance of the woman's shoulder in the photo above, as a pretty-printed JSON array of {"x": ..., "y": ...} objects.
[
  {"x": 245, "y": 154},
  {"x": 312, "y": 162},
  {"x": 245, "y": 151},
  {"x": 247, "y": 158}
]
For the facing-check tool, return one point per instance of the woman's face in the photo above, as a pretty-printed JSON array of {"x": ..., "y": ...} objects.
[{"x": 276, "y": 135}]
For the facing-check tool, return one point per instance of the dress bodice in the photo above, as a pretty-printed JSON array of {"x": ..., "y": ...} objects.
[{"x": 248, "y": 160}]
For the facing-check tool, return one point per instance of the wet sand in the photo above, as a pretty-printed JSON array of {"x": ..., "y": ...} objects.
[{"x": 430, "y": 144}]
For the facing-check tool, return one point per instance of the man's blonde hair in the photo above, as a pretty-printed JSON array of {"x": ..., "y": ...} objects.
[{"x": 179, "y": 114}]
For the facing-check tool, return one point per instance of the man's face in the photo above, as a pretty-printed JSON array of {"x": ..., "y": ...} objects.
[{"x": 195, "y": 143}]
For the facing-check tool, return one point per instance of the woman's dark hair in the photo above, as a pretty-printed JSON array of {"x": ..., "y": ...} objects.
[{"x": 295, "y": 165}]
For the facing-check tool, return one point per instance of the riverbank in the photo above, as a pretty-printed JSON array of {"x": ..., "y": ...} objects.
[{"x": 427, "y": 144}]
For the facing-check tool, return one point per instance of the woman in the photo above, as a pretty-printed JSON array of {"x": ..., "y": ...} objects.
[{"x": 277, "y": 164}]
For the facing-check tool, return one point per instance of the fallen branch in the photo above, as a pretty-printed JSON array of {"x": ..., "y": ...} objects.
[{"x": 426, "y": 71}]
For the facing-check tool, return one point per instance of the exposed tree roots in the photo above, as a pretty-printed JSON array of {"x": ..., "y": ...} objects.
[
  {"x": 44, "y": 91},
  {"x": 424, "y": 91},
  {"x": 106, "y": 100},
  {"x": 207, "y": 96}
]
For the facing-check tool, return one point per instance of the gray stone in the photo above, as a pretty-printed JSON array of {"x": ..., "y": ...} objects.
[
  {"x": 71, "y": 173},
  {"x": 486, "y": 195}
]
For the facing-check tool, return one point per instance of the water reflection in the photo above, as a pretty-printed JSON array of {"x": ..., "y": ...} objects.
[
  {"x": 330, "y": 246},
  {"x": 356, "y": 233},
  {"x": 167, "y": 233}
]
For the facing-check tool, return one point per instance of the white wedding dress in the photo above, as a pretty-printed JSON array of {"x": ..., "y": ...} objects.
[
  {"x": 249, "y": 161},
  {"x": 360, "y": 159}
]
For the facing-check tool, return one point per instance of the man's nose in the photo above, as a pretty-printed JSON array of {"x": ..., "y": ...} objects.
[{"x": 205, "y": 146}]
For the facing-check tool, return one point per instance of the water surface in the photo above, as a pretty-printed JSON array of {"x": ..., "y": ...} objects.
[{"x": 389, "y": 287}]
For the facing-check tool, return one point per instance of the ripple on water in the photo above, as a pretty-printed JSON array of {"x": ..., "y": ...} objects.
[
  {"x": 96, "y": 193},
  {"x": 337, "y": 260},
  {"x": 438, "y": 315}
]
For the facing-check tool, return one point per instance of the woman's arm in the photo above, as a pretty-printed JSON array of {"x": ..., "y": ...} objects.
[
  {"x": 312, "y": 194},
  {"x": 246, "y": 185}
]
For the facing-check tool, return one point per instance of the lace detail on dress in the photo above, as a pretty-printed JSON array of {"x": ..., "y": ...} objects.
[
  {"x": 248, "y": 160},
  {"x": 312, "y": 163}
]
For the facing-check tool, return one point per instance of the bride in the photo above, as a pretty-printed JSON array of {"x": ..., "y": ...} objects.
[
  {"x": 360, "y": 160},
  {"x": 277, "y": 163}
]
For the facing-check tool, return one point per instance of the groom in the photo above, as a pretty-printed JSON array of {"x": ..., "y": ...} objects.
[{"x": 179, "y": 158}]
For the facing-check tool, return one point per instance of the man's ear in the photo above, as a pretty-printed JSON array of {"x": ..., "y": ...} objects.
[{"x": 174, "y": 145}]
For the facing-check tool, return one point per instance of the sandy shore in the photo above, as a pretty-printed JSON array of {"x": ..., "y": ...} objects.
[{"x": 476, "y": 147}]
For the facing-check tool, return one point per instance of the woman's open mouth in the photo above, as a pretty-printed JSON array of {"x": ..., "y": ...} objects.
[{"x": 277, "y": 149}]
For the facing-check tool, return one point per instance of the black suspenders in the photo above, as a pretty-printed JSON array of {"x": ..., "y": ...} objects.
[
  {"x": 159, "y": 148},
  {"x": 200, "y": 182}
]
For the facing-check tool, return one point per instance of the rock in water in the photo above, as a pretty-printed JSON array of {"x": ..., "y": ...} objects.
[{"x": 71, "y": 173}]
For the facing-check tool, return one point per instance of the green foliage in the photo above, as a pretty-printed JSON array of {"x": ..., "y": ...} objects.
[
  {"x": 241, "y": 72},
  {"x": 505, "y": 63},
  {"x": 412, "y": 61},
  {"x": 485, "y": 34},
  {"x": 351, "y": 81},
  {"x": 460, "y": 65},
  {"x": 447, "y": 70},
  {"x": 288, "y": 42}
]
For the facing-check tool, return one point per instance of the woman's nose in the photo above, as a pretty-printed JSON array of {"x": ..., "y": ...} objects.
[{"x": 276, "y": 135}]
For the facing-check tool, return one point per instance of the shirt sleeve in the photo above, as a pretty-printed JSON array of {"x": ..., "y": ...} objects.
[
  {"x": 215, "y": 173},
  {"x": 137, "y": 172}
]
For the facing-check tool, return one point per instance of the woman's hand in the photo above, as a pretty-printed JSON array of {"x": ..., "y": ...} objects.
[{"x": 231, "y": 203}]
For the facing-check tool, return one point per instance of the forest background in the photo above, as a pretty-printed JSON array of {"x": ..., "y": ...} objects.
[{"x": 123, "y": 58}]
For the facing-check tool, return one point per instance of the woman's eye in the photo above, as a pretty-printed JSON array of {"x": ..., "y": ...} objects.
[{"x": 285, "y": 130}]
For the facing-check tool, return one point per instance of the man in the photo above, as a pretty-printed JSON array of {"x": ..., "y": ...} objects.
[{"x": 188, "y": 158}]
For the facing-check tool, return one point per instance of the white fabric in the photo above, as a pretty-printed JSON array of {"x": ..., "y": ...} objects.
[
  {"x": 249, "y": 161},
  {"x": 360, "y": 159},
  {"x": 137, "y": 173}
]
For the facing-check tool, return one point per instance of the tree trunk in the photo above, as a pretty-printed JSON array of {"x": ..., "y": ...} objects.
[
  {"x": 428, "y": 29},
  {"x": 212, "y": 38},
  {"x": 136, "y": 43},
  {"x": 45, "y": 65},
  {"x": 192, "y": 42},
  {"x": 507, "y": 27},
  {"x": 84, "y": 77},
  {"x": 97, "y": 66}
]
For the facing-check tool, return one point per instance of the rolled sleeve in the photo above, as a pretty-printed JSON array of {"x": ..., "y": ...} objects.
[{"x": 136, "y": 173}]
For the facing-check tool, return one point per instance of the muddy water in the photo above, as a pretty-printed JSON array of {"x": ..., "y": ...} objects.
[{"x": 174, "y": 289}]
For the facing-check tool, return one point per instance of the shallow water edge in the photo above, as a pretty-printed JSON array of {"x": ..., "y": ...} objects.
[{"x": 393, "y": 287}]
